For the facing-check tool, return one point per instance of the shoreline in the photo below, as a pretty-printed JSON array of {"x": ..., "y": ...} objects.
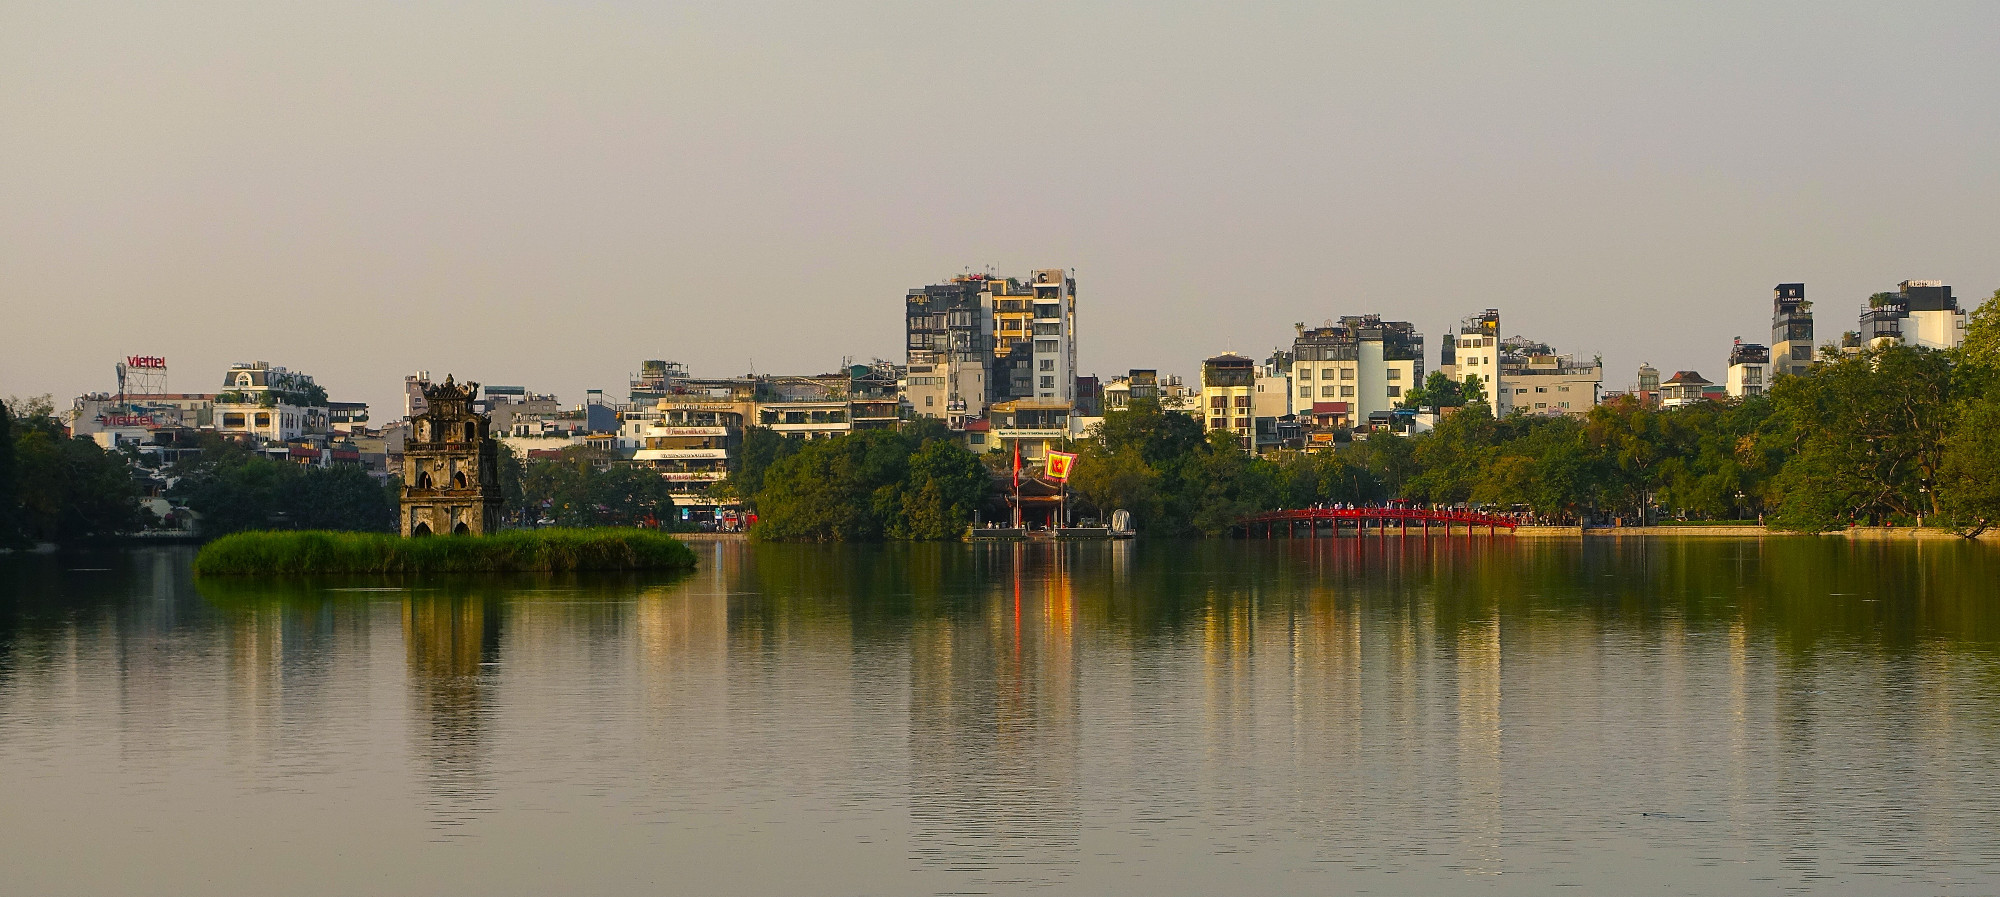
[{"x": 1859, "y": 533}]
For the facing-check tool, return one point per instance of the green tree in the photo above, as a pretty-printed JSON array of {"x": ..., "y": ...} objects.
[
  {"x": 1440, "y": 391},
  {"x": 581, "y": 488},
  {"x": 1159, "y": 436},
  {"x": 1982, "y": 334},
  {"x": 1223, "y": 484},
  {"x": 1868, "y": 434},
  {"x": 938, "y": 496},
  {"x": 1327, "y": 476},
  {"x": 1630, "y": 444},
  {"x": 67, "y": 488},
  {"x": 1110, "y": 480},
  {"x": 844, "y": 489},
  {"x": 10, "y": 501},
  {"x": 762, "y": 447},
  {"x": 235, "y": 491},
  {"x": 1968, "y": 480}
]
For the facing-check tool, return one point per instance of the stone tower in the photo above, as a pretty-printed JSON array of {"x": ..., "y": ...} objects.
[{"x": 451, "y": 479}]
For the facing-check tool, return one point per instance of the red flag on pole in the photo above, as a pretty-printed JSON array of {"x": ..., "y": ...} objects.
[{"x": 1017, "y": 485}]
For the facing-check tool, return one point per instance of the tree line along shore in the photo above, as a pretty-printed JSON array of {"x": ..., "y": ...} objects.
[{"x": 1891, "y": 436}]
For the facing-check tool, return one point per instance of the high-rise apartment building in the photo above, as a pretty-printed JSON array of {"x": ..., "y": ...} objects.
[
  {"x": 948, "y": 331},
  {"x": 1791, "y": 329},
  {"x": 977, "y": 340},
  {"x": 1055, "y": 335}
]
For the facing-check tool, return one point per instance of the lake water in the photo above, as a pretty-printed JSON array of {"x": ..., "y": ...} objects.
[{"x": 1457, "y": 716}]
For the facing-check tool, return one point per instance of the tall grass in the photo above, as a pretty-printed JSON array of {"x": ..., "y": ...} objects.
[{"x": 547, "y": 550}]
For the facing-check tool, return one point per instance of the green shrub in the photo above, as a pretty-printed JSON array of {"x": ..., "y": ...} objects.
[{"x": 549, "y": 550}]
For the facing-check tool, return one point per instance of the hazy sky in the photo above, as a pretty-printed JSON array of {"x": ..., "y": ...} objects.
[{"x": 545, "y": 194}]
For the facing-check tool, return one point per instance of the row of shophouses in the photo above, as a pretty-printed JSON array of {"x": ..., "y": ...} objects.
[{"x": 995, "y": 360}]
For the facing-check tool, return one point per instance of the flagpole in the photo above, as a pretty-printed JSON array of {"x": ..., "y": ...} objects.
[{"x": 1017, "y": 485}]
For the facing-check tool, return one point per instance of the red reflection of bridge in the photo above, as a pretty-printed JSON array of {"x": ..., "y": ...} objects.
[{"x": 1378, "y": 520}]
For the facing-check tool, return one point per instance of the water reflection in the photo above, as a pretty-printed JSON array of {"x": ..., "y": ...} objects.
[
  {"x": 450, "y": 640},
  {"x": 1274, "y": 716}
]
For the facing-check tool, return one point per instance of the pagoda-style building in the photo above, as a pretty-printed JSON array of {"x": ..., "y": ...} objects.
[{"x": 451, "y": 478}]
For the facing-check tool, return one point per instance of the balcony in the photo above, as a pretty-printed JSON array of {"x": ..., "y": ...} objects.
[{"x": 680, "y": 454}]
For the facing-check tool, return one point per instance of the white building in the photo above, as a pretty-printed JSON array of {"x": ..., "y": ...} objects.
[
  {"x": 1750, "y": 370},
  {"x": 267, "y": 401},
  {"x": 1684, "y": 388},
  {"x": 1923, "y": 314},
  {"x": 1361, "y": 365},
  {"x": 1475, "y": 352},
  {"x": 1055, "y": 335}
]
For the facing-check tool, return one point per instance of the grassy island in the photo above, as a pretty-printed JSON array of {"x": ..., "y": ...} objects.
[{"x": 548, "y": 550}]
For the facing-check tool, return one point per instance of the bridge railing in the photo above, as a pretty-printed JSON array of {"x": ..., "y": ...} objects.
[{"x": 1384, "y": 516}]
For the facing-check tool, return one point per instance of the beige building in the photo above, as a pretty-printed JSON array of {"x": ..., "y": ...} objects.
[
  {"x": 1228, "y": 397},
  {"x": 1520, "y": 374}
]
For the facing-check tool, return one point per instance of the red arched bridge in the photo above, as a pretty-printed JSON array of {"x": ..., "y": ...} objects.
[{"x": 1380, "y": 520}]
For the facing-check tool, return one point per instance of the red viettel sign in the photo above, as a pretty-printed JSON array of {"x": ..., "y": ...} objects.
[
  {"x": 145, "y": 361},
  {"x": 127, "y": 420}
]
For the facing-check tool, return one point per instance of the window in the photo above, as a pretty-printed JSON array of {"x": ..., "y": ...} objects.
[
  {"x": 1395, "y": 392},
  {"x": 1217, "y": 423},
  {"x": 1218, "y": 401},
  {"x": 1562, "y": 389},
  {"x": 1048, "y": 382},
  {"x": 1346, "y": 392},
  {"x": 1346, "y": 373},
  {"x": 1242, "y": 401},
  {"x": 1243, "y": 423},
  {"x": 977, "y": 439},
  {"x": 263, "y": 418},
  {"x": 1326, "y": 374},
  {"x": 929, "y": 401},
  {"x": 1305, "y": 392},
  {"x": 1046, "y": 346},
  {"x": 1326, "y": 392},
  {"x": 1048, "y": 364},
  {"x": 1395, "y": 373},
  {"x": 1521, "y": 391},
  {"x": 1305, "y": 373},
  {"x": 1541, "y": 389}
]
